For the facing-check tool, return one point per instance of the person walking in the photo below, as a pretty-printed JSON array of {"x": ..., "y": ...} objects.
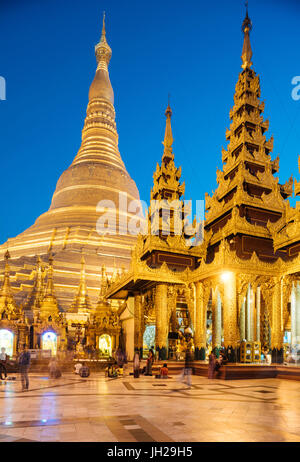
[
  {"x": 188, "y": 368},
  {"x": 211, "y": 366},
  {"x": 150, "y": 361},
  {"x": 3, "y": 364},
  {"x": 54, "y": 370},
  {"x": 24, "y": 363},
  {"x": 136, "y": 365}
]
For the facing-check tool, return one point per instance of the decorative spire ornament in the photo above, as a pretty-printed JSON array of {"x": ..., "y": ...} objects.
[
  {"x": 49, "y": 305},
  {"x": 247, "y": 51},
  {"x": 7, "y": 302},
  {"x": 81, "y": 302}
]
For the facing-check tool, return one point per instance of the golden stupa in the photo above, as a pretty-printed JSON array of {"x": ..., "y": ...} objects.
[{"x": 68, "y": 229}]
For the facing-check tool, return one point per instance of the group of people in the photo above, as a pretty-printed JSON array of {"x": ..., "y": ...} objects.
[
  {"x": 149, "y": 363},
  {"x": 115, "y": 369},
  {"x": 82, "y": 369},
  {"x": 185, "y": 377}
]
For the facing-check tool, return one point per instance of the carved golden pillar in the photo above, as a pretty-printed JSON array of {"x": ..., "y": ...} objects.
[
  {"x": 293, "y": 316},
  {"x": 216, "y": 321},
  {"x": 297, "y": 313},
  {"x": 200, "y": 323},
  {"x": 242, "y": 304},
  {"x": 138, "y": 344},
  {"x": 248, "y": 315},
  {"x": 22, "y": 336},
  {"x": 230, "y": 317},
  {"x": 162, "y": 322},
  {"x": 258, "y": 310},
  {"x": 277, "y": 333}
]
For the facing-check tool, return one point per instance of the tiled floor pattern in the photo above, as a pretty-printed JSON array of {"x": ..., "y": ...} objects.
[{"x": 145, "y": 409}]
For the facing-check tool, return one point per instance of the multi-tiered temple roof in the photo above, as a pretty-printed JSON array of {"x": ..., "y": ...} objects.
[{"x": 248, "y": 195}]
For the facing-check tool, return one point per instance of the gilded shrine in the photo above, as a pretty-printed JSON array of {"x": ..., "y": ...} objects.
[{"x": 230, "y": 280}]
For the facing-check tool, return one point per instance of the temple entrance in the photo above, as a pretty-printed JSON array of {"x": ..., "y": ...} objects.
[
  {"x": 148, "y": 339},
  {"x": 105, "y": 345},
  {"x": 49, "y": 342},
  {"x": 7, "y": 341}
]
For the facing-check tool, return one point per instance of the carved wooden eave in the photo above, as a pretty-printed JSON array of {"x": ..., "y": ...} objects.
[
  {"x": 259, "y": 157},
  {"x": 227, "y": 260},
  {"x": 286, "y": 231},
  {"x": 239, "y": 225},
  {"x": 139, "y": 277},
  {"x": 219, "y": 209}
]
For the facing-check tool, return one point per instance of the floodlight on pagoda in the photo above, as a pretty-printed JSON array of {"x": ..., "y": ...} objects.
[{"x": 226, "y": 276}]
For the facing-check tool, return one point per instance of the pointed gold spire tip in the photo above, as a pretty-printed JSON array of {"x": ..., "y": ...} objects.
[
  {"x": 103, "y": 34},
  {"x": 168, "y": 140},
  {"x": 247, "y": 51}
]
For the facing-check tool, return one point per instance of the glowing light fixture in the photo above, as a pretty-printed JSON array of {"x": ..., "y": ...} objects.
[{"x": 225, "y": 276}]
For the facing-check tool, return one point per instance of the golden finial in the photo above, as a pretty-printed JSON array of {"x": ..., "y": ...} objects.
[
  {"x": 168, "y": 140},
  {"x": 247, "y": 51},
  {"x": 103, "y": 34},
  {"x": 102, "y": 49}
]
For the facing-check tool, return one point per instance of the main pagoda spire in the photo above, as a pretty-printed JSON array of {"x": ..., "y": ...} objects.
[
  {"x": 248, "y": 195},
  {"x": 97, "y": 174}
]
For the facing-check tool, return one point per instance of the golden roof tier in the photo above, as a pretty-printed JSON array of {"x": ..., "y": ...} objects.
[{"x": 70, "y": 225}]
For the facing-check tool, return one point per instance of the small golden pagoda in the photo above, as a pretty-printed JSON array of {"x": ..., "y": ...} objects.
[
  {"x": 81, "y": 303},
  {"x": 8, "y": 307},
  {"x": 13, "y": 326},
  {"x": 103, "y": 326}
]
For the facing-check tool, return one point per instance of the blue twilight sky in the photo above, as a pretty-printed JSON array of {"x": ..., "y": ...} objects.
[{"x": 189, "y": 49}]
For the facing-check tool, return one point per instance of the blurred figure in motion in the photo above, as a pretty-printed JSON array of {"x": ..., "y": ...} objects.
[
  {"x": 186, "y": 375},
  {"x": 136, "y": 365},
  {"x": 24, "y": 364},
  {"x": 211, "y": 365}
]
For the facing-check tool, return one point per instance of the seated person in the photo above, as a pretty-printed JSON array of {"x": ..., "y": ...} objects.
[
  {"x": 164, "y": 371},
  {"x": 84, "y": 370},
  {"x": 112, "y": 370},
  {"x": 53, "y": 367},
  {"x": 77, "y": 368},
  {"x": 3, "y": 364},
  {"x": 120, "y": 371}
]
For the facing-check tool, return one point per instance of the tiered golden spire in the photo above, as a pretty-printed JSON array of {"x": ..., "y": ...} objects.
[
  {"x": 81, "y": 302},
  {"x": 167, "y": 218},
  {"x": 49, "y": 305},
  {"x": 167, "y": 176},
  {"x": 36, "y": 296},
  {"x": 7, "y": 303},
  {"x": 247, "y": 188},
  {"x": 103, "y": 286},
  {"x": 103, "y": 304}
]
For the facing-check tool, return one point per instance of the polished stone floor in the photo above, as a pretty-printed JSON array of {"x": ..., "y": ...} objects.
[{"x": 148, "y": 409}]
